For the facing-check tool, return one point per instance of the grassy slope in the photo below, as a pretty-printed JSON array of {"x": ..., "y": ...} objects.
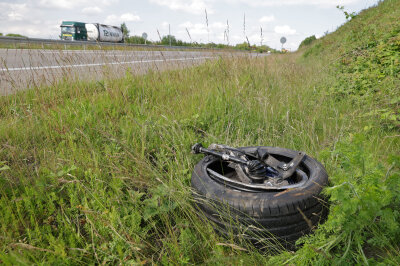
[{"x": 100, "y": 172}]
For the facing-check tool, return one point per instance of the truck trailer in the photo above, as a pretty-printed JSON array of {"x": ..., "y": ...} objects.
[{"x": 80, "y": 31}]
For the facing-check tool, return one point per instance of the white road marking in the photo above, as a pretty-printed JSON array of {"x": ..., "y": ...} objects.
[
  {"x": 103, "y": 64},
  {"x": 41, "y": 51},
  {"x": 89, "y": 51},
  {"x": 114, "y": 55}
]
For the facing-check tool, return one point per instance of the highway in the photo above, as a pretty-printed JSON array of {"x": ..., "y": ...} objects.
[{"x": 28, "y": 68}]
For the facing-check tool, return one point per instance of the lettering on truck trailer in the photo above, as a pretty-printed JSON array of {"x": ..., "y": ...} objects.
[{"x": 111, "y": 34}]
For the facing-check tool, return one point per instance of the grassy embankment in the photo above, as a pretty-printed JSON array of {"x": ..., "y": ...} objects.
[{"x": 100, "y": 172}]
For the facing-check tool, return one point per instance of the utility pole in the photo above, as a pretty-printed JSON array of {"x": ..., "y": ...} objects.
[
  {"x": 208, "y": 30},
  {"x": 169, "y": 34},
  {"x": 244, "y": 25},
  {"x": 227, "y": 31}
]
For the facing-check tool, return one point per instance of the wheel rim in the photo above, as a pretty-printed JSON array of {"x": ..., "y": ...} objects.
[{"x": 302, "y": 179}]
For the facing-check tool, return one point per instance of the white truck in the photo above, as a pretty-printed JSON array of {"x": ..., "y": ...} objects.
[{"x": 80, "y": 31}]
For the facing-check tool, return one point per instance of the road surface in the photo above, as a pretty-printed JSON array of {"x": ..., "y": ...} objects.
[{"x": 24, "y": 68}]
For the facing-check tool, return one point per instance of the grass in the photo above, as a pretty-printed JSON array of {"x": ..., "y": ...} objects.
[
  {"x": 59, "y": 46},
  {"x": 31, "y": 68},
  {"x": 118, "y": 47},
  {"x": 99, "y": 172}
]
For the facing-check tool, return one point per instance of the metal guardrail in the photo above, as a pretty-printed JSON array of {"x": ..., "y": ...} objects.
[{"x": 42, "y": 42}]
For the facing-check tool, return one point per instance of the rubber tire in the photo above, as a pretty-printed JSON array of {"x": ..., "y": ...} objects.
[{"x": 279, "y": 217}]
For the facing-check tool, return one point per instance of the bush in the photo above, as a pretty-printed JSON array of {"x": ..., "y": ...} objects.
[
  {"x": 364, "y": 216},
  {"x": 169, "y": 39},
  {"x": 136, "y": 40},
  {"x": 307, "y": 41},
  {"x": 15, "y": 35}
]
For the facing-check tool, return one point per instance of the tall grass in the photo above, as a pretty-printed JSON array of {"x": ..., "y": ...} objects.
[
  {"x": 99, "y": 172},
  {"x": 32, "y": 68}
]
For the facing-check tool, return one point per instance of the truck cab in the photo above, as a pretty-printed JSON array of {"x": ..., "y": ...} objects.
[{"x": 73, "y": 31}]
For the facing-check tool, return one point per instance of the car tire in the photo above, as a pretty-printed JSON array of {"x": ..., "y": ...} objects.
[{"x": 277, "y": 217}]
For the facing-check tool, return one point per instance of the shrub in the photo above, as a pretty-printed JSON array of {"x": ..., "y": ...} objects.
[
  {"x": 307, "y": 41},
  {"x": 15, "y": 35}
]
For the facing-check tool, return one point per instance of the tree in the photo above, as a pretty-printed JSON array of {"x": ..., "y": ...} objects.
[
  {"x": 136, "y": 40},
  {"x": 307, "y": 41},
  {"x": 169, "y": 39},
  {"x": 242, "y": 46},
  {"x": 125, "y": 30}
]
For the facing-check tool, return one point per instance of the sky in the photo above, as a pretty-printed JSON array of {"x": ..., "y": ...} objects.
[{"x": 229, "y": 21}]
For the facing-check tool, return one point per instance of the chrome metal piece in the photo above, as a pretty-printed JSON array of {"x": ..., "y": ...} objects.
[
  {"x": 257, "y": 187},
  {"x": 256, "y": 170},
  {"x": 251, "y": 170}
]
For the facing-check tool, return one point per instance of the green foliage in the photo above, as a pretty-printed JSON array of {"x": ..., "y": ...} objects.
[
  {"x": 243, "y": 46},
  {"x": 176, "y": 42},
  {"x": 364, "y": 195},
  {"x": 363, "y": 225},
  {"x": 314, "y": 50},
  {"x": 254, "y": 48},
  {"x": 264, "y": 49},
  {"x": 100, "y": 172},
  {"x": 364, "y": 215},
  {"x": 15, "y": 35},
  {"x": 169, "y": 40},
  {"x": 307, "y": 41},
  {"x": 371, "y": 74},
  {"x": 365, "y": 53},
  {"x": 159, "y": 204},
  {"x": 347, "y": 14},
  {"x": 136, "y": 40},
  {"x": 97, "y": 173},
  {"x": 125, "y": 30},
  {"x": 364, "y": 69},
  {"x": 4, "y": 166}
]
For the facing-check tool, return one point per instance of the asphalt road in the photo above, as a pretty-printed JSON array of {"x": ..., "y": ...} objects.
[{"x": 23, "y": 68}]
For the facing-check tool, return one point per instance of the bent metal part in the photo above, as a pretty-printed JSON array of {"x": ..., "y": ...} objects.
[{"x": 253, "y": 172}]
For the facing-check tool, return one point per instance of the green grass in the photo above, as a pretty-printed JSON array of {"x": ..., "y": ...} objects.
[
  {"x": 117, "y": 47},
  {"x": 88, "y": 46},
  {"x": 100, "y": 172}
]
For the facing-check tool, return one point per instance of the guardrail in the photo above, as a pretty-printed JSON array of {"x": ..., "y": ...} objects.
[{"x": 84, "y": 44}]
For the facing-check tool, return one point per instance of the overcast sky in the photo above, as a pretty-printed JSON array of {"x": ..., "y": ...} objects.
[{"x": 294, "y": 19}]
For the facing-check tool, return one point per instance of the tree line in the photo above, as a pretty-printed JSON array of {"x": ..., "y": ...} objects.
[{"x": 173, "y": 41}]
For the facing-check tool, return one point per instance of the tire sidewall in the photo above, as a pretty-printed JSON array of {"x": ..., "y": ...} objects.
[{"x": 257, "y": 203}]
